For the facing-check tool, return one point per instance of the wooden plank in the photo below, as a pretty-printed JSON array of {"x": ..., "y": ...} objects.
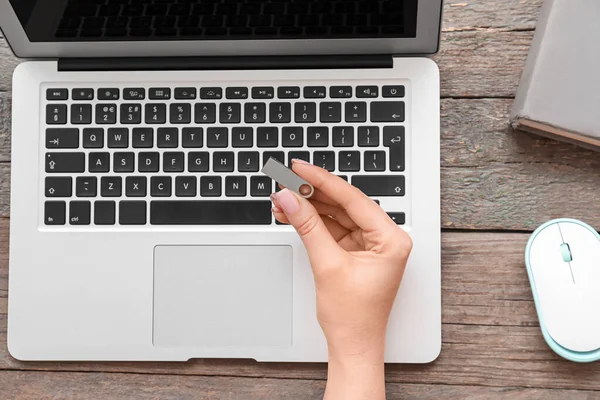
[
  {"x": 483, "y": 63},
  {"x": 492, "y": 177},
  {"x": 461, "y": 15},
  {"x": 490, "y": 332},
  {"x": 52, "y": 385}
]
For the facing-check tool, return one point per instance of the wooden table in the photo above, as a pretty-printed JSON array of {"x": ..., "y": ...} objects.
[{"x": 497, "y": 186}]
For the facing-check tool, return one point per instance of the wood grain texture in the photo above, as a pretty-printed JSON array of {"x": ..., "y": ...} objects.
[
  {"x": 55, "y": 386},
  {"x": 490, "y": 332}
]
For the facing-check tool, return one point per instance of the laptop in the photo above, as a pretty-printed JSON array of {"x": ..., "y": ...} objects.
[{"x": 141, "y": 227}]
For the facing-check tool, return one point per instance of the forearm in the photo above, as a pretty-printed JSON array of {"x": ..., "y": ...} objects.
[{"x": 357, "y": 377}]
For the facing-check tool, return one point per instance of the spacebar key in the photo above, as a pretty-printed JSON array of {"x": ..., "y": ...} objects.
[
  {"x": 380, "y": 185},
  {"x": 210, "y": 212}
]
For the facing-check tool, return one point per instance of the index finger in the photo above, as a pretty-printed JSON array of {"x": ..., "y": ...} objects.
[{"x": 363, "y": 211}]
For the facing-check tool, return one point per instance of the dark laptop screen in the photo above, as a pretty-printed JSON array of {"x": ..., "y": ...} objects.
[{"x": 152, "y": 20}]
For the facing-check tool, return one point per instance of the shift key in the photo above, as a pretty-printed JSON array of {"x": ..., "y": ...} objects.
[
  {"x": 380, "y": 185},
  {"x": 65, "y": 162}
]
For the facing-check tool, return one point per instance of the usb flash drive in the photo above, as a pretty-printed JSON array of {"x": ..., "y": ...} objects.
[{"x": 286, "y": 177}]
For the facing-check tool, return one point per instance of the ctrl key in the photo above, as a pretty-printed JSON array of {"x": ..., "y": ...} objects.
[
  {"x": 79, "y": 213},
  {"x": 55, "y": 212}
]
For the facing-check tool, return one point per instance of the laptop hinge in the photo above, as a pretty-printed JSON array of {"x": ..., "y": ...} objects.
[{"x": 226, "y": 63}]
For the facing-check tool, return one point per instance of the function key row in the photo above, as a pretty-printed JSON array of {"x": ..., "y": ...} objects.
[{"x": 216, "y": 93}]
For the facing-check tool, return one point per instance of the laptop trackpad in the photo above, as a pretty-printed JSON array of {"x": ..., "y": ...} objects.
[{"x": 222, "y": 296}]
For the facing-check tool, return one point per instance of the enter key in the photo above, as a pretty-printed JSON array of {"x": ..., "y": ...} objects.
[{"x": 393, "y": 138}]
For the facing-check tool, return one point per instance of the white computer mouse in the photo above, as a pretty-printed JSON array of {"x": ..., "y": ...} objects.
[{"x": 563, "y": 263}]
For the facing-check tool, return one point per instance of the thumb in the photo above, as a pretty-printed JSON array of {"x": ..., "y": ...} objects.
[{"x": 303, "y": 216}]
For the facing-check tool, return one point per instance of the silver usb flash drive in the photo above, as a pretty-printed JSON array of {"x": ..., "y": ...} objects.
[{"x": 286, "y": 177}]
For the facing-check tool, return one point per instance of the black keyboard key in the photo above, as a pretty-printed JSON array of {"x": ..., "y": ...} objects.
[
  {"x": 198, "y": 161},
  {"x": 185, "y": 186},
  {"x": 292, "y": 136},
  {"x": 261, "y": 186},
  {"x": 230, "y": 113},
  {"x": 82, "y": 94},
  {"x": 317, "y": 136},
  {"x": 148, "y": 162},
  {"x": 398, "y": 217},
  {"x": 299, "y": 155},
  {"x": 331, "y": 112},
  {"x": 187, "y": 93},
  {"x": 173, "y": 162},
  {"x": 343, "y": 136},
  {"x": 159, "y": 93},
  {"x": 142, "y": 138},
  {"x": 132, "y": 212},
  {"x": 123, "y": 162},
  {"x": 288, "y": 92},
  {"x": 262, "y": 92},
  {"x": 374, "y": 161},
  {"x": 81, "y": 114},
  {"x": 156, "y": 113},
  {"x": 387, "y": 111},
  {"x": 110, "y": 186},
  {"x": 59, "y": 186},
  {"x": 86, "y": 186},
  {"x": 208, "y": 93},
  {"x": 216, "y": 137},
  {"x": 108, "y": 94},
  {"x": 305, "y": 112},
  {"x": 62, "y": 138},
  {"x": 98, "y": 162},
  {"x": 79, "y": 212},
  {"x": 214, "y": 212},
  {"x": 368, "y": 136},
  {"x": 255, "y": 113},
  {"x": 325, "y": 160},
  {"x": 267, "y": 136},
  {"x": 393, "y": 91},
  {"x": 380, "y": 185},
  {"x": 160, "y": 186},
  {"x": 278, "y": 155},
  {"x": 210, "y": 186},
  {"x": 93, "y": 138},
  {"x": 340, "y": 92},
  {"x": 118, "y": 138},
  {"x": 134, "y": 94},
  {"x": 356, "y": 111},
  {"x": 235, "y": 186},
  {"x": 57, "y": 94},
  {"x": 393, "y": 137},
  {"x": 56, "y": 114},
  {"x": 315, "y": 92},
  {"x": 280, "y": 113},
  {"x": 104, "y": 212},
  {"x": 205, "y": 113},
  {"x": 367, "y": 92},
  {"x": 167, "y": 138},
  {"x": 106, "y": 114},
  {"x": 135, "y": 186},
  {"x": 131, "y": 113},
  {"x": 248, "y": 161},
  {"x": 242, "y": 137},
  {"x": 55, "y": 212},
  {"x": 192, "y": 137},
  {"x": 223, "y": 161},
  {"x": 236, "y": 93},
  {"x": 181, "y": 113},
  {"x": 65, "y": 162},
  {"x": 349, "y": 161}
]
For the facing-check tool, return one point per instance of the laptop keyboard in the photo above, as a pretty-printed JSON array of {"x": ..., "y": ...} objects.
[{"x": 192, "y": 156}]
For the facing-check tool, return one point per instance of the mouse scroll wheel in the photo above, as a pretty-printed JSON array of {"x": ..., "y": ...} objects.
[{"x": 565, "y": 250}]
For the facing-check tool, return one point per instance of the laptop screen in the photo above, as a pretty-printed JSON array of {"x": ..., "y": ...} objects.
[{"x": 164, "y": 20}]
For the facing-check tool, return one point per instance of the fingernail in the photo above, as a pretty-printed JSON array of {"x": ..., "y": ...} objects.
[
  {"x": 300, "y": 161},
  {"x": 276, "y": 210},
  {"x": 288, "y": 202}
]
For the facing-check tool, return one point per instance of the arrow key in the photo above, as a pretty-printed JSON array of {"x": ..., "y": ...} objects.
[
  {"x": 387, "y": 111},
  {"x": 398, "y": 217}
]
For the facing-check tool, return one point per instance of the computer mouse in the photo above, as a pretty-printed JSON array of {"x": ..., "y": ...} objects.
[{"x": 563, "y": 264}]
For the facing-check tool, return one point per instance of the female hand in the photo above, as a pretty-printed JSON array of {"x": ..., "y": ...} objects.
[{"x": 358, "y": 255}]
